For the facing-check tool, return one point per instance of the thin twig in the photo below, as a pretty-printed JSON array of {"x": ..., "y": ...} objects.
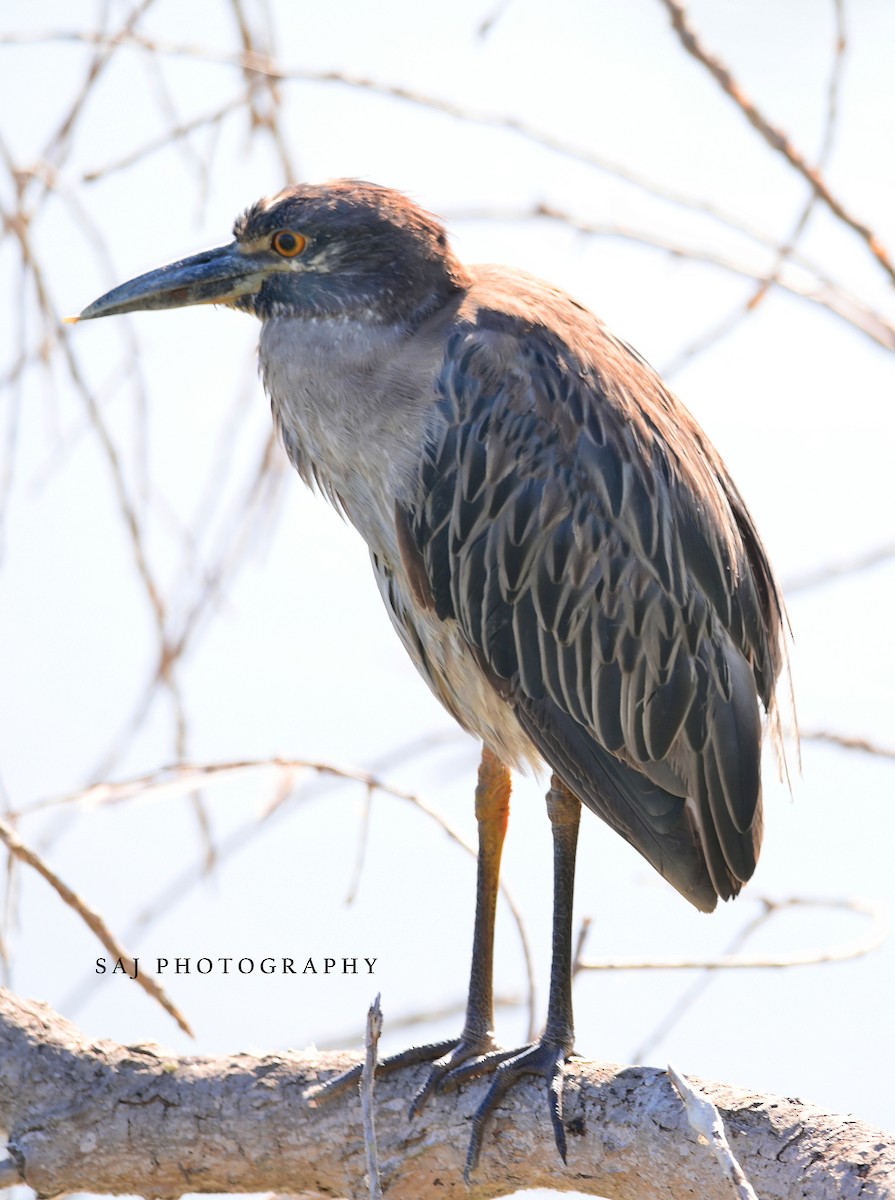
[
  {"x": 91, "y": 919},
  {"x": 260, "y": 83},
  {"x": 414, "y": 1020},
  {"x": 524, "y": 129},
  {"x": 872, "y": 940},
  {"x": 700, "y": 984},
  {"x": 811, "y": 286},
  {"x": 490, "y": 19},
  {"x": 59, "y": 144},
  {"x": 125, "y": 500},
  {"x": 818, "y": 576},
  {"x": 178, "y": 132},
  {"x": 179, "y": 779},
  {"x": 249, "y": 514},
  {"x": 774, "y": 137},
  {"x": 847, "y": 742},
  {"x": 745, "y": 308},
  {"x": 363, "y": 838},
  {"x": 35, "y": 184},
  {"x": 367, "y": 1079}
]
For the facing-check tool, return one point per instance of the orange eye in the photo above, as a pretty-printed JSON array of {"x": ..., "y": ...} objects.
[{"x": 288, "y": 244}]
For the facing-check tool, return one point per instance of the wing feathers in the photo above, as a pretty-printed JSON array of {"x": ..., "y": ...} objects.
[{"x": 614, "y": 590}]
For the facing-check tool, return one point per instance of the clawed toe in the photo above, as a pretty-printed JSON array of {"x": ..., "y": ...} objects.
[
  {"x": 462, "y": 1062},
  {"x": 321, "y": 1093},
  {"x": 544, "y": 1058}
]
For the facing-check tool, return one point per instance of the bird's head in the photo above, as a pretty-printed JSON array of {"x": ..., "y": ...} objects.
[{"x": 342, "y": 249}]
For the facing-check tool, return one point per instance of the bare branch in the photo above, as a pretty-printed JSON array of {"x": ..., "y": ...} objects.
[
  {"x": 57, "y": 147},
  {"x": 805, "y": 283},
  {"x": 846, "y": 742},
  {"x": 454, "y": 1012},
  {"x": 104, "y": 1118},
  {"x": 104, "y": 436},
  {"x": 490, "y": 19},
  {"x": 849, "y": 566},
  {"x": 775, "y": 137},
  {"x": 91, "y": 919},
  {"x": 266, "y": 65},
  {"x": 371, "y": 1043},
  {"x": 743, "y": 310},
  {"x": 856, "y": 948},
  {"x": 184, "y": 779},
  {"x": 178, "y": 131}
]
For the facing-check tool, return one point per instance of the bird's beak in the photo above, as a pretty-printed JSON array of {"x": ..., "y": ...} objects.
[{"x": 217, "y": 276}]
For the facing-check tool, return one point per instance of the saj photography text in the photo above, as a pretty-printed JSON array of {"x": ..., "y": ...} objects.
[{"x": 233, "y": 965}]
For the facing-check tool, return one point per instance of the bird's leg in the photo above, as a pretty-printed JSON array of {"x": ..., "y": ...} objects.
[
  {"x": 475, "y": 1053},
  {"x": 492, "y": 812},
  {"x": 564, "y": 811},
  {"x": 492, "y": 806},
  {"x": 492, "y": 809},
  {"x": 547, "y": 1056}
]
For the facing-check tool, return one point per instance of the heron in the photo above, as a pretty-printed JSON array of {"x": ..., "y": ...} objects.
[{"x": 560, "y": 548}]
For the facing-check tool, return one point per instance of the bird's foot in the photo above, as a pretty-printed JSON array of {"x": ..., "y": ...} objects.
[
  {"x": 455, "y": 1062},
  {"x": 445, "y": 1058},
  {"x": 545, "y": 1058}
]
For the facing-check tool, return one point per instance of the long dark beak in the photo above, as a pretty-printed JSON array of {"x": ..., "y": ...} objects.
[{"x": 213, "y": 277}]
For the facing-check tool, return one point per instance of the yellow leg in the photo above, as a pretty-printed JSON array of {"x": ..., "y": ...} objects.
[
  {"x": 476, "y": 1045},
  {"x": 492, "y": 810}
]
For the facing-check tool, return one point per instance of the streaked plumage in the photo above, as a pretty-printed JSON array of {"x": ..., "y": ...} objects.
[
  {"x": 562, "y": 551},
  {"x": 599, "y": 563}
]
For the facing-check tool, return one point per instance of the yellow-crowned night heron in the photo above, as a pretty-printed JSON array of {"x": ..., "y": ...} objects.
[{"x": 561, "y": 550}]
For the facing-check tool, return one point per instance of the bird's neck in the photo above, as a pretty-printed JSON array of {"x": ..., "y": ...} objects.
[{"x": 350, "y": 400}]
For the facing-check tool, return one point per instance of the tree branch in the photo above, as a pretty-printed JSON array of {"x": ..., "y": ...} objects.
[
  {"x": 105, "y": 1118},
  {"x": 774, "y": 137}
]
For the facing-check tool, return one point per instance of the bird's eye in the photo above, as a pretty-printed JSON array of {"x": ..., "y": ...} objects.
[{"x": 288, "y": 244}]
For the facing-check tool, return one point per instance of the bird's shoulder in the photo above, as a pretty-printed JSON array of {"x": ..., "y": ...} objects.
[{"x": 547, "y": 420}]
